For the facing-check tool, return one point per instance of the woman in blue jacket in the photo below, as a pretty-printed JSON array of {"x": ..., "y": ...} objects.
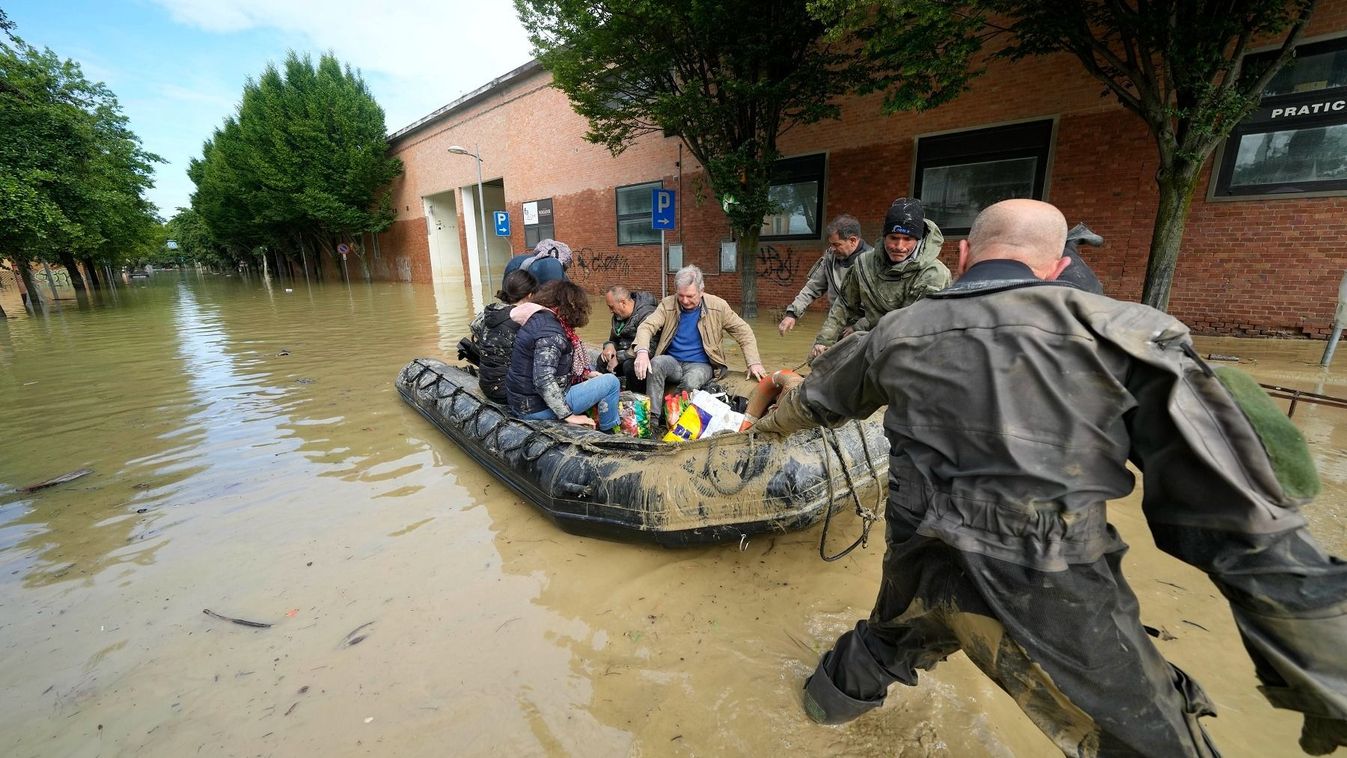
[{"x": 550, "y": 375}]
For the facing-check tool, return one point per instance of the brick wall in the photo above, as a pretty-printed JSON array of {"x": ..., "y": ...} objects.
[{"x": 1256, "y": 267}]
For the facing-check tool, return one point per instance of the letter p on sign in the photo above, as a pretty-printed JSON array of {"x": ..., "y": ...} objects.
[{"x": 663, "y": 207}]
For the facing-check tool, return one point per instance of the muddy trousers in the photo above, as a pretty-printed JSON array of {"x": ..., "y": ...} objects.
[
  {"x": 1068, "y": 646},
  {"x": 666, "y": 370}
]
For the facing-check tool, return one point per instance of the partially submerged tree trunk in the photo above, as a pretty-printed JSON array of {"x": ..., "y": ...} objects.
[
  {"x": 72, "y": 269},
  {"x": 94, "y": 281},
  {"x": 34, "y": 298}
]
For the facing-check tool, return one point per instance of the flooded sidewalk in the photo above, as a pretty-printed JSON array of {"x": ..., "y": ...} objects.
[{"x": 251, "y": 456}]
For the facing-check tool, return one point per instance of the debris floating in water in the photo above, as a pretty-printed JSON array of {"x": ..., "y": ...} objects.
[
  {"x": 1222, "y": 357},
  {"x": 52, "y": 482},
  {"x": 241, "y": 622}
]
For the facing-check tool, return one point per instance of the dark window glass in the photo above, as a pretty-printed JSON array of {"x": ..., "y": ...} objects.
[
  {"x": 538, "y": 223},
  {"x": 1296, "y": 140},
  {"x": 633, "y": 214},
  {"x": 960, "y": 174},
  {"x": 797, "y": 191}
]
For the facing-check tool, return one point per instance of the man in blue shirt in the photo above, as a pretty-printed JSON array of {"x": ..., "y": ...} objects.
[{"x": 691, "y": 326}]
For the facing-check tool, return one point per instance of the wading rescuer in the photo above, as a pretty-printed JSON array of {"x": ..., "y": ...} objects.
[{"x": 1014, "y": 403}]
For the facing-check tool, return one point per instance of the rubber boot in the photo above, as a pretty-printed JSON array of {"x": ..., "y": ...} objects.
[{"x": 825, "y": 703}]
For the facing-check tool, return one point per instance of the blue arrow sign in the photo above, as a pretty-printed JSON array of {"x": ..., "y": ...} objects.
[
  {"x": 662, "y": 208},
  {"x": 502, "y": 219}
]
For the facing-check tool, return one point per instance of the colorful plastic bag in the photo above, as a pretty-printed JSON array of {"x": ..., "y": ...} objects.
[
  {"x": 689, "y": 426},
  {"x": 633, "y": 415}
]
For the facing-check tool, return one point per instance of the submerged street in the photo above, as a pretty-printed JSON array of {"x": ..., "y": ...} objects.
[{"x": 251, "y": 456}]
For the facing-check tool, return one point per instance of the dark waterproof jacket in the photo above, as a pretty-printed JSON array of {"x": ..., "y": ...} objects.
[
  {"x": 540, "y": 367},
  {"x": 1013, "y": 407},
  {"x": 875, "y": 285},
  {"x": 623, "y": 332},
  {"x": 493, "y": 332}
]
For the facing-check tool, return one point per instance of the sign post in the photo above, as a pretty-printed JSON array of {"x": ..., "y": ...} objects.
[{"x": 663, "y": 207}]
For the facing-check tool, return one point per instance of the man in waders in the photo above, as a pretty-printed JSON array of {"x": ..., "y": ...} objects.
[{"x": 1014, "y": 403}]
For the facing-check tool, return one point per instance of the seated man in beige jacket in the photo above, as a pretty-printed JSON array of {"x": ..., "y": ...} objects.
[{"x": 691, "y": 326}]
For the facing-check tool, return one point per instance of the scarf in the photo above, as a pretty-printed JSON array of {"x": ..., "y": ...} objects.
[{"x": 579, "y": 356}]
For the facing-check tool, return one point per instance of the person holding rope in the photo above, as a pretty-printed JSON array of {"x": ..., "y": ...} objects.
[{"x": 1014, "y": 404}]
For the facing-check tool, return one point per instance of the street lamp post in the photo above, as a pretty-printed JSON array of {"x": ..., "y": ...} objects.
[{"x": 481, "y": 206}]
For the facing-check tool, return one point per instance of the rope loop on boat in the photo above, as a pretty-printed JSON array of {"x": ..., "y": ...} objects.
[{"x": 868, "y": 518}]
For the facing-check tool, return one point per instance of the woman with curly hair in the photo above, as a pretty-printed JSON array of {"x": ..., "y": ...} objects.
[{"x": 550, "y": 375}]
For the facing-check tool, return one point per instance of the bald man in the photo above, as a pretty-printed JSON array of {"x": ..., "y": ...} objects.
[{"x": 1014, "y": 404}]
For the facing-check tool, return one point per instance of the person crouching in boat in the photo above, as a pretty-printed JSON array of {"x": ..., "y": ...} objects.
[
  {"x": 550, "y": 375},
  {"x": 493, "y": 333}
]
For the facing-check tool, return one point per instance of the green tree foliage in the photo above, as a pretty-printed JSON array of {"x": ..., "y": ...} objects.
[
  {"x": 303, "y": 165},
  {"x": 730, "y": 77},
  {"x": 1179, "y": 65},
  {"x": 72, "y": 174}
]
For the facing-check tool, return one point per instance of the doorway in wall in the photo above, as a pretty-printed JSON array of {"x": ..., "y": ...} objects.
[{"x": 446, "y": 254}]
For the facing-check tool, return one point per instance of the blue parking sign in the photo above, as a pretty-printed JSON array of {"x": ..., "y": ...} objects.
[
  {"x": 662, "y": 208},
  {"x": 502, "y": 223}
]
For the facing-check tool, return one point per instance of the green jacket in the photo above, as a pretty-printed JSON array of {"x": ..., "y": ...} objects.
[
  {"x": 874, "y": 286},
  {"x": 717, "y": 319}
]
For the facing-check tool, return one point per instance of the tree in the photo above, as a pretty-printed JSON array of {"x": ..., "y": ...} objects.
[
  {"x": 72, "y": 174},
  {"x": 729, "y": 78},
  {"x": 305, "y": 163},
  {"x": 1178, "y": 64}
]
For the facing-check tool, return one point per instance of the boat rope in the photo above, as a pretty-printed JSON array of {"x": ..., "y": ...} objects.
[{"x": 868, "y": 517}]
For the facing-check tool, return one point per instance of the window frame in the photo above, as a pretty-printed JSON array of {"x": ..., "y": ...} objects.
[
  {"x": 1263, "y": 121},
  {"x": 1030, "y": 138},
  {"x": 535, "y": 228},
  {"x": 790, "y": 171},
  {"x": 620, "y": 217}
]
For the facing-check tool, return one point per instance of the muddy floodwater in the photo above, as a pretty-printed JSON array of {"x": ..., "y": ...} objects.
[{"x": 251, "y": 456}]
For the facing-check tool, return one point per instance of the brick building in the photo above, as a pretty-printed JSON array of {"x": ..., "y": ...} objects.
[{"x": 1264, "y": 251}]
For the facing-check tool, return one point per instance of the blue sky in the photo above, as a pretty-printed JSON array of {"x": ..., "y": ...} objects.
[{"x": 178, "y": 66}]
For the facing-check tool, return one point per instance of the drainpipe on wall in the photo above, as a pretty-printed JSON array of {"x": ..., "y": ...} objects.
[{"x": 1338, "y": 318}]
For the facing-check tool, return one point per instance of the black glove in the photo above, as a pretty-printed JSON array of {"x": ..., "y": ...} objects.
[{"x": 1321, "y": 736}]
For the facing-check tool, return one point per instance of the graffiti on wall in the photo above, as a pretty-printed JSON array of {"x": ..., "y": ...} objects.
[
  {"x": 590, "y": 263},
  {"x": 778, "y": 265}
]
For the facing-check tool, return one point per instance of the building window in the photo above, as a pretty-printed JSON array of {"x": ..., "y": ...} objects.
[
  {"x": 797, "y": 190},
  {"x": 1296, "y": 140},
  {"x": 960, "y": 174},
  {"x": 538, "y": 222},
  {"x": 633, "y": 214}
]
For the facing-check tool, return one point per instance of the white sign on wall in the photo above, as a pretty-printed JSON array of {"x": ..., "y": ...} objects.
[{"x": 531, "y": 213}]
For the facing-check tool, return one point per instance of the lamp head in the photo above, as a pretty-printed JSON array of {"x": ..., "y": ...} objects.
[{"x": 459, "y": 150}]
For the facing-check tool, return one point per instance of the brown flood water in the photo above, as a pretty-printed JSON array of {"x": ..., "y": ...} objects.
[{"x": 251, "y": 456}]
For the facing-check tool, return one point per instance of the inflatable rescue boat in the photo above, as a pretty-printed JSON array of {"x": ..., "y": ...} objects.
[{"x": 725, "y": 487}]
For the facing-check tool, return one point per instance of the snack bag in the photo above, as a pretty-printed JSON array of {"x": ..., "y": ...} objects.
[
  {"x": 689, "y": 425},
  {"x": 674, "y": 405},
  {"x": 633, "y": 411}
]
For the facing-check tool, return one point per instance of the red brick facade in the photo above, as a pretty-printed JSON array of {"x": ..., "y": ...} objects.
[{"x": 1254, "y": 267}]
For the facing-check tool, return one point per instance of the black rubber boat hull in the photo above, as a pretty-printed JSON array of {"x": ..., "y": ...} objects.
[{"x": 724, "y": 488}]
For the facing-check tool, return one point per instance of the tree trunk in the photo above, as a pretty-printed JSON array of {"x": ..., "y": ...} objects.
[
  {"x": 26, "y": 274},
  {"x": 92, "y": 270},
  {"x": 747, "y": 250},
  {"x": 1176, "y": 199},
  {"x": 67, "y": 259}
]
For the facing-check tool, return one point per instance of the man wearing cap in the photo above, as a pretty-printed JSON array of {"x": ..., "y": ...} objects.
[
  {"x": 1016, "y": 408},
  {"x": 907, "y": 269},
  {"x": 844, "y": 247},
  {"x": 548, "y": 261}
]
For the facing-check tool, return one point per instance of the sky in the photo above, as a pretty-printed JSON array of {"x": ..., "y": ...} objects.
[{"x": 178, "y": 66}]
